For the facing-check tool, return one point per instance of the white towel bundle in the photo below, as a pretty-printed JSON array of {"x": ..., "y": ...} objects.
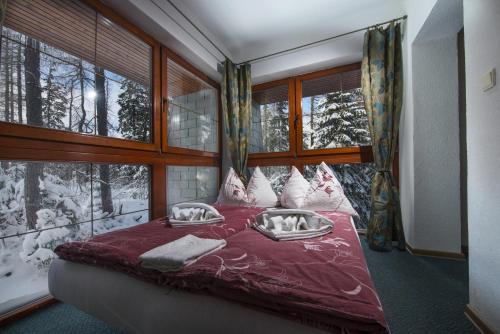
[
  {"x": 292, "y": 224},
  {"x": 187, "y": 214},
  {"x": 175, "y": 255}
]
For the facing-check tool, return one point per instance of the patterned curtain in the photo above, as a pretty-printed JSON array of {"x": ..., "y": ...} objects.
[
  {"x": 382, "y": 85},
  {"x": 236, "y": 95}
]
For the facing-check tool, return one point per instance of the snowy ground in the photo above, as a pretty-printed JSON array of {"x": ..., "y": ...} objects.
[{"x": 19, "y": 279}]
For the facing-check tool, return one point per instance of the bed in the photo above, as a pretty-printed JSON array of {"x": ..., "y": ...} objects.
[{"x": 254, "y": 284}]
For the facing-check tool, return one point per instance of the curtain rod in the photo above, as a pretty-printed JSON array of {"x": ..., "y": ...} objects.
[{"x": 321, "y": 41}]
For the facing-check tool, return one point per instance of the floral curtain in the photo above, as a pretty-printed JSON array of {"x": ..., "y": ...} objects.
[
  {"x": 236, "y": 95},
  {"x": 382, "y": 86}
]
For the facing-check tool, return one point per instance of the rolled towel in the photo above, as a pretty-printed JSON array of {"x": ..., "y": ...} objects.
[{"x": 175, "y": 255}]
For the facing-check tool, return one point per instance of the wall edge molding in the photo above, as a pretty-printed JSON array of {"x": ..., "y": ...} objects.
[
  {"x": 435, "y": 253},
  {"x": 473, "y": 315}
]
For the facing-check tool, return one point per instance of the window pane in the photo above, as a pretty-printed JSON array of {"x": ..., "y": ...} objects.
[
  {"x": 356, "y": 180},
  {"x": 25, "y": 263},
  {"x": 92, "y": 77},
  {"x": 277, "y": 175},
  {"x": 192, "y": 184},
  {"x": 193, "y": 118},
  {"x": 121, "y": 196},
  {"x": 333, "y": 113},
  {"x": 270, "y": 130},
  {"x": 44, "y": 204}
]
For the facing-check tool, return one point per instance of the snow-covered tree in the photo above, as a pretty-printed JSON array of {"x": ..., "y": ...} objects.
[
  {"x": 340, "y": 120},
  {"x": 54, "y": 101}
]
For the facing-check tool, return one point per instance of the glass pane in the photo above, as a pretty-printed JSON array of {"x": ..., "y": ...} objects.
[
  {"x": 270, "y": 130},
  {"x": 333, "y": 113},
  {"x": 192, "y": 184},
  {"x": 44, "y": 204},
  {"x": 123, "y": 83},
  {"x": 26, "y": 259},
  {"x": 193, "y": 118},
  {"x": 356, "y": 180},
  {"x": 277, "y": 175},
  {"x": 120, "y": 189},
  {"x": 94, "y": 78},
  {"x": 34, "y": 195}
]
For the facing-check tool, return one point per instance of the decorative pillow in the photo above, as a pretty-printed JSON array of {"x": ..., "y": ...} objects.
[
  {"x": 259, "y": 190},
  {"x": 294, "y": 191},
  {"x": 325, "y": 193},
  {"x": 232, "y": 191}
]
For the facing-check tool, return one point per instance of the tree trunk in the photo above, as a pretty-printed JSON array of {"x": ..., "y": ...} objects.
[
  {"x": 19, "y": 87},
  {"x": 34, "y": 171},
  {"x": 7, "y": 81},
  {"x": 102, "y": 130},
  {"x": 312, "y": 123},
  {"x": 81, "y": 76},
  {"x": 11, "y": 81},
  {"x": 72, "y": 86}
]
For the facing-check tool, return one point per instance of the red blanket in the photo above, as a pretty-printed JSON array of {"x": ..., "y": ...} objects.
[{"x": 323, "y": 282}]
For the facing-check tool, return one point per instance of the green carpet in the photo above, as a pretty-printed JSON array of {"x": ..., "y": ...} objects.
[{"x": 419, "y": 295}]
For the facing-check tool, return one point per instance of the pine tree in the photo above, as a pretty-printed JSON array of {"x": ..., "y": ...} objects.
[
  {"x": 54, "y": 102},
  {"x": 134, "y": 114},
  {"x": 342, "y": 120},
  {"x": 278, "y": 124}
]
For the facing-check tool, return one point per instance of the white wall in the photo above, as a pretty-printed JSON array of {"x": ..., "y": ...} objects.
[
  {"x": 417, "y": 12},
  {"x": 436, "y": 145},
  {"x": 429, "y": 137},
  {"x": 482, "y": 53}
]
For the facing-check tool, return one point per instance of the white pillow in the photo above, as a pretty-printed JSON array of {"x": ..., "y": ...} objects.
[
  {"x": 294, "y": 191},
  {"x": 325, "y": 193},
  {"x": 259, "y": 190},
  {"x": 232, "y": 191}
]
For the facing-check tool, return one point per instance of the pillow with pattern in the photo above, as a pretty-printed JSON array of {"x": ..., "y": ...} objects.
[
  {"x": 232, "y": 190},
  {"x": 325, "y": 193}
]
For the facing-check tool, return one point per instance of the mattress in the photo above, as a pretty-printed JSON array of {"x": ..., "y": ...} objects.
[{"x": 135, "y": 306}]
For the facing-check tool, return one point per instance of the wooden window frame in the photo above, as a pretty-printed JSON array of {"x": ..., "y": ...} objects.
[
  {"x": 168, "y": 54},
  {"x": 297, "y": 156},
  {"x": 35, "y": 132}
]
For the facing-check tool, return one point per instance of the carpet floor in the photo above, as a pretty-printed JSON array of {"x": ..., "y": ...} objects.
[{"x": 420, "y": 295}]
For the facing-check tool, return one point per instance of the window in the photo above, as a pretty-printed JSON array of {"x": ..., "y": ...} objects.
[
  {"x": 44, "y": 204},
  {"x": 270, "y": 127},
  {"x": 333, "y": 113},
  {"x": 192, "y": 184},
  {"x": 66, "y": 67},
  {"x": 356, "y": 180},
  {"x": 193, "y": 118}
]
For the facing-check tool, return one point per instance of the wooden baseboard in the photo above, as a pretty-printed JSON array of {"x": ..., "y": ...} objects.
[
  {"x": 433, "y": 253},
  {"x": 25, "y": 310},
  {"x": 472, "y": 314}
]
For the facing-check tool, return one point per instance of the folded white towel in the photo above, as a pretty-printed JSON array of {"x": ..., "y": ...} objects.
[
  {"x": 292, "y": 224},
  {"x": 175, "y": 255},
  {"x": 187, "y": 214}
]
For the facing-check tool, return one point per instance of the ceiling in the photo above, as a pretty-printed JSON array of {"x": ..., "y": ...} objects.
[
  {"x": 247, "y": 29},
  {"x": 253, "y": 28}
]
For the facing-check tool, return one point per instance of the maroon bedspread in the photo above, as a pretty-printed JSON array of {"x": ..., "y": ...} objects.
[
  {"x": 323, "y": 282},
  {"x": 120, "y": 249}
]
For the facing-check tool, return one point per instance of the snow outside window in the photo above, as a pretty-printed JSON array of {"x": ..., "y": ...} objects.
[{"x": 43, "y": 205}]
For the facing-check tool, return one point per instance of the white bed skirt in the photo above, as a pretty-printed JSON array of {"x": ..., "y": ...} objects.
[{"x": 139, "y": 307}]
